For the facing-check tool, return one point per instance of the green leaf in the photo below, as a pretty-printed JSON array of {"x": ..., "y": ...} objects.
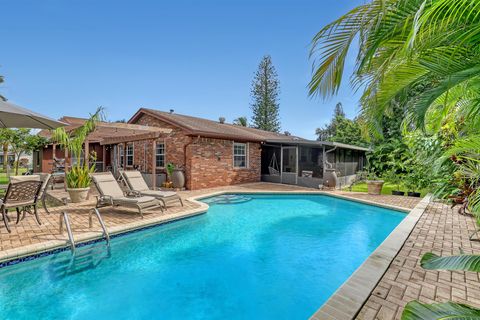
[
  {"x": 418, "y": 311},
  {"x": 465, "y": 262}
]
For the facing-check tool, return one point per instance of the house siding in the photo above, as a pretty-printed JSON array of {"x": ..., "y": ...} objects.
[{"x": 207, "y": 162}]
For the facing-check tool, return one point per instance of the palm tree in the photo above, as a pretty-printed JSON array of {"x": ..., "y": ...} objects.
[
  {"x": 240, "y": 121},
  {"x": 405, "y": 45},
  {"x": 2, "y": 98}
]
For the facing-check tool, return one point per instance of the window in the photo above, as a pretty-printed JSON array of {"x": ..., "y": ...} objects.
[
  {"x": 120, "y": 155},
  {"x": 160, "y": 155},
  {"x": 129, "y": 154},
  {"x": 240, "y": 155}
]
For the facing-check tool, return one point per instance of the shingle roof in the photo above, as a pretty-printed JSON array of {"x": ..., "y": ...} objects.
[{"x": 213, "y": 129}]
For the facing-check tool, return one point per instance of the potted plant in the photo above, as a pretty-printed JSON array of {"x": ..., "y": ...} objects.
[
  {"x": 374, "y": 184},
  {"x": 412, "y": 183},
  {"x": 396, "y": 179},
  {"x": 175, "y": 176},
  {"x": 78, "y": 178}
]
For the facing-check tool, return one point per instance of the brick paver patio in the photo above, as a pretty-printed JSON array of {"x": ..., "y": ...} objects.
[{"x": 440, "y": 230}]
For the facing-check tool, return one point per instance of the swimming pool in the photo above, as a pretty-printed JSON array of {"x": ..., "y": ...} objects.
[{"x": 251, "y": 256}]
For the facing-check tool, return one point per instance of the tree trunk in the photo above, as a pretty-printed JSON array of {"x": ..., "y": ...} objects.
[
  {"x": 5, "y": 156},
  {"x": 17, "y": 163}
]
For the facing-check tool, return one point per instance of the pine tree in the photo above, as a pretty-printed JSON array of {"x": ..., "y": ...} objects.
[{"x": 265, "y": 92}]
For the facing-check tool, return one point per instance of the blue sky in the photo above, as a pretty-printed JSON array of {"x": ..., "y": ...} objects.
[{"x": 197, "y": 57}]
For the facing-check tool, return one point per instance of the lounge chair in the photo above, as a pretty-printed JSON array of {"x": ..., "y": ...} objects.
[
  {"x": 111, "y": 194},
  {"x": 135, "y": 182},
  {"x": 22, "y": 196},
  {"x": 43, "y": 177}
]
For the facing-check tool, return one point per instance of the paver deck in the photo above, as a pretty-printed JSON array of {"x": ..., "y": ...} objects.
[{"x": 440, "y": 230}]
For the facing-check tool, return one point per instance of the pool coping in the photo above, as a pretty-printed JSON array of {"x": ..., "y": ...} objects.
[
  {"x": 349, "y": 298},
  {"x": 51, "y": 246},
  {"x": 345, "y": 303}
]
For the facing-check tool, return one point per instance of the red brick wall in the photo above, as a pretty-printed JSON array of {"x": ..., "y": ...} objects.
[
  {"x": 211, "y": 162},
  {"x": 207, "y": 162},
  {"x": 175, "y": 143}
]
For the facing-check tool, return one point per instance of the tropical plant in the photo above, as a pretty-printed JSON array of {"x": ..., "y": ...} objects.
[
  {"x": 394, "y": 177},
  {"x": 420, "y": 311},
  {"x": 265, "y": 92},
  {"x": 426, "y": 46},
  {"x": 462, "y": 185},
  {"x": 241, "y": 121},
  {"x": 170, "y": 167},
  {"x": 79, "y": 175}
]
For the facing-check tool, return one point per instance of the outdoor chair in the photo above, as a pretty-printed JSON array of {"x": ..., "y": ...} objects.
[
  {"x": 135, "y": 183},
  {"x": 43, "y": 177},
  {"x": 22, "y": 196},
  {"x": 112, "y": 195}
]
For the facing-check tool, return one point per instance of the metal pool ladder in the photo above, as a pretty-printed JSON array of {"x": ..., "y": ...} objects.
[{"x": 65, "y": 219}]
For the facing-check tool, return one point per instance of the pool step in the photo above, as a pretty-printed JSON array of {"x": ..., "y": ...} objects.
[{"x": 228, "y": 199}]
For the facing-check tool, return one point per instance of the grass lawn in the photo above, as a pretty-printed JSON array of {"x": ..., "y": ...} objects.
[
  {"x": 387, "y": 188},
  {"x": 4, "y": 178}
]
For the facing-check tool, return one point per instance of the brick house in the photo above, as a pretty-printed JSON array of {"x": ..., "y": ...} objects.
[{"x": 210, "y": 153}]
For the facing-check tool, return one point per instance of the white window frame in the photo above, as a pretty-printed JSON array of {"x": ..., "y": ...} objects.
[
  {"x": 160, "y": 154},
  {"x": 127, "y": 155},
  {"x": 240, "y": 155}
]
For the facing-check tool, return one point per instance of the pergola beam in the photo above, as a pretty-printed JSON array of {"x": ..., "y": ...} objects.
[{"x": 132, "y": 138}]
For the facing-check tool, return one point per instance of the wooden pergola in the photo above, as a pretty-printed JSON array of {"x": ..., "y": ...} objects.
[
  {"x": 115, "y": 133},
  {"x": 151, "y": 135}
]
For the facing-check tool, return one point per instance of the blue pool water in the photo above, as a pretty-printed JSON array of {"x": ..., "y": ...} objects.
[{"x": 249, "y": 257}]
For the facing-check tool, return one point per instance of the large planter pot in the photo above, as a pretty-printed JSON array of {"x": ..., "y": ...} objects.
[
  {"x": 398, "y": 193},
  {"x": 330, "y": 178},
  {"x": 414, "y": 194},
  {"x": 78, "y": 194},
  {"x": 374, "y": 186},
  {"x": 178, "y": 179}
]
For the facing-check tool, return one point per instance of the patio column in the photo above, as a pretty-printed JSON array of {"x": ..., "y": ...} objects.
[
  {"x": 154, "y": 165},
  {"x": 124, "y": 164},
  {"x": 54, "y": 149},
  {"x": 104, "y": 157}
]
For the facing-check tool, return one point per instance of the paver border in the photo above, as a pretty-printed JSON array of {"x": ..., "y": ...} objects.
[{"x": 347, "y": 301}]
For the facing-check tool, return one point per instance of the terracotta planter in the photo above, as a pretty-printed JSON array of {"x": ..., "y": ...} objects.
[
  {"x": 178, "y": 178},
  {"x": 374, "y": 186},
  {"x": 78, "y": 194}
]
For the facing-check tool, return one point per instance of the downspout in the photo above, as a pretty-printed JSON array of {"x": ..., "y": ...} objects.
[
  {"x": 329, "y": 165},
  {"x": 330, "y": 176}
]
